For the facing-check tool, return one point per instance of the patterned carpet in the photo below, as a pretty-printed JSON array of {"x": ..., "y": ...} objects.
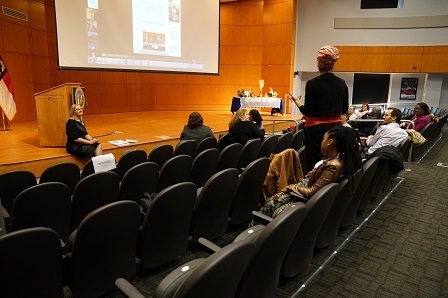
[{"x": 401, "y": 251}]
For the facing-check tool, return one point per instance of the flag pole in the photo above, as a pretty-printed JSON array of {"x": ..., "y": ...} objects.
[{"x": 4, "y": 125}]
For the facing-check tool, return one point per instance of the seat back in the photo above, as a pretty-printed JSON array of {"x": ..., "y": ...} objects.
[
  {"x": 204, "y": 166},
  {"x": 31, "y": 264},
  {"x": 204, "y": 277},
  {"x": 103, "y": 249},
  {"x": 248, "y": 191},
  {"x": 329, "y": 231},
  {"x": 370, "y": 186},
  {"x": 368, "y": 170},
  {"x": 284, "y": 142},
  {"x": 223, "y": 142},
  {"x": 93, "y": 192},
  {"x": 65, "y": 172},
  {"x": 161, "y": 154},
  {"x": 138, "y": 180},
  {"x": 88, "y": 169},
  {"x": 186, "y": 147},
  {"x": 229, "y": 157},
  {"x": 249, "y": 153},
  {"x": 300, "y": 252},
  {"x": 207, "y": 143},
  {"x": 12, "y": 183},
  {"x": 297, "y": 140},
  {"x": 44, "y": 205},
  {"x": 175, "y": 170},
  {"x": 302, "y": 158},
  {"x": 266, "y": 265},
  {"x": 211, "y": 212},
  {"x": 164, "y": 233},
  {"x": 268, "y": 146},
  {"x": 129, "y": 159}
]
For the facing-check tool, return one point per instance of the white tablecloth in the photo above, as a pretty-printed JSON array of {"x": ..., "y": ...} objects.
[{"x": 260, "y": 102}]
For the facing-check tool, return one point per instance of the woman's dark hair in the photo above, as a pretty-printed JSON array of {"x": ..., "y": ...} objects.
[
  {"x": 195, "y": 120},
  {"x": 347, "y": 143},
  {"x": 367, "y": 106},
  {"x": 256, "y": 117},
  {"x": 424, "y": 107}
]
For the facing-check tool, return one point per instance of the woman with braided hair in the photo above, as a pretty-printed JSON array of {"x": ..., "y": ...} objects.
[{"x": 342, "y": 158}]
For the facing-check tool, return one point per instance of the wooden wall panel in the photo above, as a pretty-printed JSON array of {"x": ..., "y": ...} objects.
[
  {"x": 195, "y": 79},
  {"x": 37, "y": 15},
  {"x": 108, "y": 77},
  {"x": 227, "y": 14},
  {"x": 22, "y": 6},
  {"x": 348, "y": 61},
  {"x": 113, "y": 95},
  {"x": 247, "y": 75},
  {"x": 249, "y": 35},
  {"x": 375, "y": 62},
  {"x": 274, "y": 54},
  {"x": 93, "y": 95},
  {"x": 227, "y": 35},
  {"x": 11, "y": 34},
  {"x": 435, "y": 63},
  {"x": 274, "y": 13},
  {"x": 435, "y": 49},
  {"x": 251, "y": 55},
  {"x": 227, "y": 55},
  {"x": 249, "y": 14},
  {"x": 273, "y": 34},
  {"x": 2, "y": 43},
  {"x": 147, "y": 95},
  {"x": 133, "y": 95},
  {"x": 226, "y": 76},
  {"x": 40, "y": 43},
  {"x": 169, "y": 95},
  {"x": 147, "y": 78},
  {"x": 222, "y": 94},
  {"x": 196, "y": 94},
  {"x": 39, "y": 75},
  {"x": 406, "y": 62},
  {"x": 164, "y": 78}
]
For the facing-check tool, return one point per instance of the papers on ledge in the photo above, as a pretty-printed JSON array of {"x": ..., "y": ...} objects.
[{"x": 121, "y": 143}]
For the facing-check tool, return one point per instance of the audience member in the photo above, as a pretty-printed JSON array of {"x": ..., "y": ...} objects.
[
  {"x": 365, "y": 109},
  {"x": 365, "y": 128},
  {"x": 326, "y": 98},
  {"x": 79, "y": 142},
  {"x": 388, "y": 134},
  {"x": 256, "y": 118},
  {"x": 242, "y": 130},
  {"x": 341, "y": 159},
  {"x": 344, "y": 121},
  {"x": 420, "y": 118},
  {"x": 351, "y": 114},
  {"x": 195, "y": 129}
]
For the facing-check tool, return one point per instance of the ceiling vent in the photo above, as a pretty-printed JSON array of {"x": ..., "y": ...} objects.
[{"x": 14, "y": 14}]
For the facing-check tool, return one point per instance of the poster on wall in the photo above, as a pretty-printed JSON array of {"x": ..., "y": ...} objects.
[{"x": 408, "y": 90}]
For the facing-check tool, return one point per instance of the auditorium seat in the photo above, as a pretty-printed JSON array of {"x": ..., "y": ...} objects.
[
  {"x": 138, "y": 180},
  {"x": 12, "y": 183},
  {"x": 249, "y": 153},
  {"x": 161, "y": 154},
  {"x": 163, "y": 236},
  {"x": 207, "y": 143},
  {"x": 223, "y": 142},
  {"x": 103, "y": 248},
  {"x": 186, "y": 147},
  {"x": 88, "y": 169},
  {"x": 268, "y": 146},
  {"x": 65, "y": 172},
  {"x": 43, "y": 205},
  {"x": 129, "y": 159},
  {"x": 211, "y": 210},
  {"x": 229, "y": 157},
  {"x": 297, "y": 140},
  {"x": 284, "y": 142},
  {"x": 204, "y": 166},
  {"x": 177, "y": 169}
]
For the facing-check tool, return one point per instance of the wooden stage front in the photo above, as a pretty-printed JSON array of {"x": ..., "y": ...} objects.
[{"x": 20, "y": 148}]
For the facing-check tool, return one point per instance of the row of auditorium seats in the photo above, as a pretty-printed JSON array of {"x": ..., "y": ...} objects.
[{"x": 431, "y": 133}]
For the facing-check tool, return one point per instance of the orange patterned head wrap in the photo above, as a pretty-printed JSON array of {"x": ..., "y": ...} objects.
[{"x": 327, "y": 56}]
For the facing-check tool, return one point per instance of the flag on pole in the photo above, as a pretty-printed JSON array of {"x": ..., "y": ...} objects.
[{"x": 7, "y": 102}]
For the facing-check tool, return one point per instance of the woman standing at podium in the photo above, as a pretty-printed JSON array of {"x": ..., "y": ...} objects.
[{"x": 79, "y": 142}]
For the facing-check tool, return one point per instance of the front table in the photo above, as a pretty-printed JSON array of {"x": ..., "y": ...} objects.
[{"x": 256, "y": 102}]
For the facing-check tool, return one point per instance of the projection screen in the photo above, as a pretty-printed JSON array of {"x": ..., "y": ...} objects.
[{"x": 144, "y": 35}]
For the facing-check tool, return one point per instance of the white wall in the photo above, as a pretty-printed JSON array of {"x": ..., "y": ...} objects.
[
  {"x": 444, "y": 93},
  {"x": 315, "y": 27}
]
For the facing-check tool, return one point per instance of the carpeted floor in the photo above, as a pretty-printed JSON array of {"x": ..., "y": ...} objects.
[{"x": 401, "y": 251}]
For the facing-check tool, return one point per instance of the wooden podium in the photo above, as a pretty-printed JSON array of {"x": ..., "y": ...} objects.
[{"x": 53, "y": 111}]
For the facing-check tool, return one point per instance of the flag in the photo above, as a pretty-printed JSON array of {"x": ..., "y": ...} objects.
[{"x": 7, "y": 102}]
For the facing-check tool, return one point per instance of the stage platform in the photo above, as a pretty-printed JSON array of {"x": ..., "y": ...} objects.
[{"x": 20, "y": 148}]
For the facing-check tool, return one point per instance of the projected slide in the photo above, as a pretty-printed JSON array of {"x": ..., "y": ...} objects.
[{"x": 154, "y": 35}]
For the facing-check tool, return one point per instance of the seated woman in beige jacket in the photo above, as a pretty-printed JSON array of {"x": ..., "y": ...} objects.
[{"x": 340, "y": 147}]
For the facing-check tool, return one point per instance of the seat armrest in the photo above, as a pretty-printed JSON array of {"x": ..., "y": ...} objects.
[
  {"x": 262, "y": 216},
  {"x": 127, "y": 288},
  {"x": 210, "y": 245}
]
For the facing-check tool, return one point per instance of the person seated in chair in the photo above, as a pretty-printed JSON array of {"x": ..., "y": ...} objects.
[
  {"x": 256, "y": 118},
  {"x": 420, "y": 118},
  {"x": 389, "y": 133},
  {"x": 342, "y": 159},
  {"x": 365, "y": 128},
  {"x": 195, "y": 129},
  {"x": 242, "y": 130}
]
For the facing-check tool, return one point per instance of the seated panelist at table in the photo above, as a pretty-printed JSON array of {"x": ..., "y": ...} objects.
[{"x": 79, "y": 142}]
